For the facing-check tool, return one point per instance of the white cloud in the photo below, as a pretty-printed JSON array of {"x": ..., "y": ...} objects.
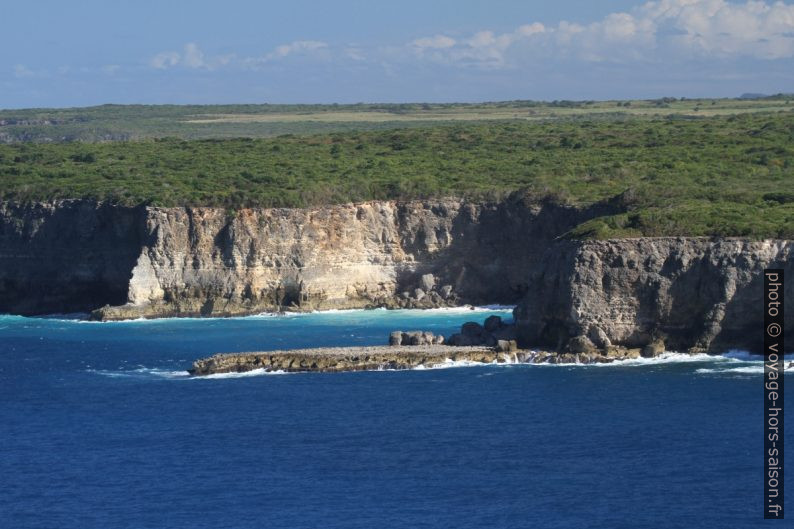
[
  {"x": 528, "y": 30},
  {"x": 484, "y": 48},
  {"x": 435, "y": 42},
  {"x": 654, "y": 32},
  {"x": 165, "y": 60},
  {"x": 717, "y": 28},
  {"x": 355, "y": 53},
  {"x": 296, "y": 47},
  {"x": 658, "y": 29},
  {"x": 191, "y": 56}
]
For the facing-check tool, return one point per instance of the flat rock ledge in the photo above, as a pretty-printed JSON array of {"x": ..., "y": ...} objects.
[{"x": 335, "y": 359}]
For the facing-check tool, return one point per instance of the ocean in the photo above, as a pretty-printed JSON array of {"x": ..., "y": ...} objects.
[{"x": 101, "y": 427}]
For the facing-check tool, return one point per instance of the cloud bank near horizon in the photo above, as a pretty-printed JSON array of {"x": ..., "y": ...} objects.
[
  {"x": 661, "y": 47},
  {"x": 655, "y": 31}
]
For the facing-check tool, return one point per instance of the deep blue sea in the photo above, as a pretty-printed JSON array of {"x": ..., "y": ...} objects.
[{"x": 100, "y": 427}]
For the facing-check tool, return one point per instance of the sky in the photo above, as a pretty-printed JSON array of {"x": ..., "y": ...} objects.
[{"x": 91, "y": 52}]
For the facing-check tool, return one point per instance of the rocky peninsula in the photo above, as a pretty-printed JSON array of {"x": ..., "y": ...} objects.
[
  {"x": 333, "y": 359},
  {"x": 415, "y": 349},
  {"x": 379, "y": 358}
]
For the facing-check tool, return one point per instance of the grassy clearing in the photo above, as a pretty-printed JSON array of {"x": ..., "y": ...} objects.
[{"x": 135, "y": 122}]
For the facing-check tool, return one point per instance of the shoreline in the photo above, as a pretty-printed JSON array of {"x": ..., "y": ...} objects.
[{"x": 85, "y": 317}]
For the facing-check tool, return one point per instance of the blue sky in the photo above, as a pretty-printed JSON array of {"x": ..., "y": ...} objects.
[{"x": 239, "y": 51}]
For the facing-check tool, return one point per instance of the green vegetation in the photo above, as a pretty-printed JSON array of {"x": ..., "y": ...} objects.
[
  {"x": 721, "y": 175},
  {"x": 135, "y": 122}
]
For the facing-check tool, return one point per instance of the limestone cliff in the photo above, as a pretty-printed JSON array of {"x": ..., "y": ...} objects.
[
  {"x": 148, "y": 262},
  {"x": 66, "y": 256},
  {"x": 121, "y": 262},
  {"x": 690, "y": 293}
]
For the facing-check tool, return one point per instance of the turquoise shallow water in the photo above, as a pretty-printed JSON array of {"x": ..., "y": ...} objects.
[{"x": 102, "y": 427}]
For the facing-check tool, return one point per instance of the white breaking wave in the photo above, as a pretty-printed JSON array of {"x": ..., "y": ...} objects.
[
  {"x": 143, "y": 372},
  {"x": 253, "y": 373},
  {"x": 664, "y": 358},
  {"x": 146, "y": 372},
  {"x": 447, "y": 364},
  {"x": 744, "y": 356},
  {"x": 754, "y": 370}
]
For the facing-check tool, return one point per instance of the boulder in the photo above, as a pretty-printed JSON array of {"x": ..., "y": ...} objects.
[
  {"x": 599, "y": 359},
  {"x": 632, "y": 354},
  {"x": 492, "y": 323},
  {"x": 581, "y": 344},
  {"x": 462, "y": 339},
  {"x": 427, "y": 282},
  {"x": 419, "y": 294},
  {"x": 653, "y": 349},
  {"x": 599, "y": 337},
  {"x": 446, "y": 291},
  {"x": 506, "y": 346},
  {"x": 524, "y": 356},
  {"x": 566, "y": 358},
  {"x": 414, "y": 338},
  {"x": 471, "y": 328},
  {"x": 505, "y": 332}
]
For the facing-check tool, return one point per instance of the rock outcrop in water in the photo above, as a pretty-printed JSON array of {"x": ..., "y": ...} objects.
[
  {"x": 121, "y": 262},
  {"x": 334, "y": 359},
  {"x": 337, "y": 359}
]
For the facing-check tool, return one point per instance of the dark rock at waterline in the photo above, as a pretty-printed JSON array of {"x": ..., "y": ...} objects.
[
  {"x": 396, "y": 338},
  {"x": 653, "y": 349},
  {"x": 492, "y": 323},
  {"x": 581, "y": 344},
  {"x": 472, "y": 329}
]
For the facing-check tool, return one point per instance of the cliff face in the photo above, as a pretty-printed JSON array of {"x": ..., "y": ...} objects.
[
  {"x": 67, "y": 256},
  {"x": 691, "y": 293},
  {"x": 71, "y": 256},
  {"x": 148, "y": 262},
  {"x": 414, "y": 254}
]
